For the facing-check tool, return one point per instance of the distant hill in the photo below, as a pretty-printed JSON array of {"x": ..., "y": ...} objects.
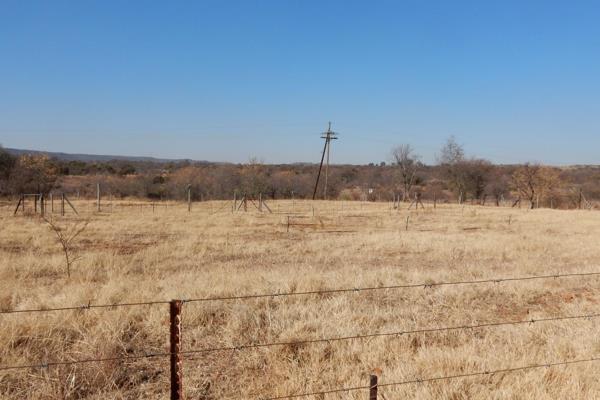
[
  {"x": 96, "y": 157},
  {"x": 106, "y": 158}
]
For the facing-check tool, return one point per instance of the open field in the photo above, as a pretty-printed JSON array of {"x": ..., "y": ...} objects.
[{"x": 130, "y": 253}]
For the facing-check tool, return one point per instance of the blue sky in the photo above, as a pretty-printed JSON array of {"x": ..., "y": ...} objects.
[{"x": 219, "y": 80}]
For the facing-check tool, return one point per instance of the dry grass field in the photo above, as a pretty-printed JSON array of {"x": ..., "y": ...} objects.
[{"x": 130, "y": 253}]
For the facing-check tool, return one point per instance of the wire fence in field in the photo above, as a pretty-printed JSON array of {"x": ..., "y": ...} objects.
[
  {"x": 424, "y": 285},
  {"x": 177, "y": 351}
]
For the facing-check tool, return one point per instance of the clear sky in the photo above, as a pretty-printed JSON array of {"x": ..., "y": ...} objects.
[{"x": 221, "y": 80}]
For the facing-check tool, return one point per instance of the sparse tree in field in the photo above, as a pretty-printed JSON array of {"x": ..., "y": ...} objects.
[
  {"x": 451, "y": 153},
  {"x": 254, "y": 177},
  {"x": 477, "y": 175},
  {"x": 65, "y": 236},
  {"x": 498, "y": 186},
  {"x": 451, "y": 158},
  {"x": 533, "y": 181},
  {"x": 34, "y": 174},
  {"x": 408, "y": 165},
  {"x": 7, "y": 164}
]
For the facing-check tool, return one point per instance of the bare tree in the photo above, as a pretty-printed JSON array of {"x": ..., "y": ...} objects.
[
  {"x": 34, "y": 173},
  {"x": 533, "y": 181},
  {"x": 477, "y": 175},
  {"x": 451, "y": 153},
  {"x": 253, "y": 175},
  {"x": 498, "y": 186},
  {"x": 452, "y": 160},
  {"x": 408, "y": 164},
  {"x": 7, "y": 164},
  {"x": 65, "y": 236}
]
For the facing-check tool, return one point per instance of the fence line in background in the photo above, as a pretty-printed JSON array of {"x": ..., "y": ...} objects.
[{"x": 424, "y": 285}]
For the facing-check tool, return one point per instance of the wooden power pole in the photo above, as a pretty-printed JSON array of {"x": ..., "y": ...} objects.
[{"x": 328, "y": 136}]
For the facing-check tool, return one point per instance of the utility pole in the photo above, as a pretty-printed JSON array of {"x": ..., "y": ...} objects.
[{"x": 328, "y": 136}]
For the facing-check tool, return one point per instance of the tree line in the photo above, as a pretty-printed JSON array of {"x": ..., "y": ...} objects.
[{"x": 455, "y": 177}]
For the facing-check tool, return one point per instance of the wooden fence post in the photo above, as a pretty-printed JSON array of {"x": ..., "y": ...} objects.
[
  {"x": 18, "y": 205},
  {"x": 373, "y": 387},
  {"x": 62, "y": 204},
  {"x": 176, "y": 360},
  {"x": 189, "y": 197}
]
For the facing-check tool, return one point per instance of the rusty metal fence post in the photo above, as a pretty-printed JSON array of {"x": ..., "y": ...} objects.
[
  {"x": 176, "y": 361},
  {"x": 373, "y": 388}
]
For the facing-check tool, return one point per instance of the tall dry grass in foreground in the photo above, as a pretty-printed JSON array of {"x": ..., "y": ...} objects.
[{"x": 134, "y": 254}]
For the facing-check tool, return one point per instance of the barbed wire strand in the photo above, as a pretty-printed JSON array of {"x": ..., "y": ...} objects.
[
  {"x": 308, "y": 293},
  {"x": 383, "y": 334},
  {"x": 437, "y": 378},
  {"x": 83, "y": 361},
  {"x": 292, "y": 343},
  {"x": 226, "y": 205},
  {"x": 84, "y": 307},
  {"x": 403, "y": 286}
]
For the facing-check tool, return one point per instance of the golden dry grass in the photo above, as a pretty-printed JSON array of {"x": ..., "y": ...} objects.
[{"x": 134, "y": 254}]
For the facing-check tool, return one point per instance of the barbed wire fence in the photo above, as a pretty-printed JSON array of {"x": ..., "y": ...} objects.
[{"x": 177, "y": 353}]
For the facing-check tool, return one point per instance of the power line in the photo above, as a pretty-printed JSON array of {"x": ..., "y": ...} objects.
[
  {"x": 437, "y": 378},
  {"x": 308, "y": 293}
]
